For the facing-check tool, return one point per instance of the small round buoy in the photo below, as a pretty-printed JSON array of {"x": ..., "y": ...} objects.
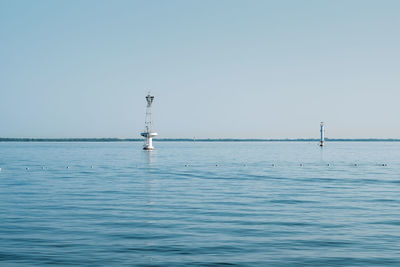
[
  {"x": 26, "y": 168},
  {"x": 301, "y": 164},
  {"x": 67, "y": 167},
  {"x": 91, "y": 167},
  {"x": 328, "y": 164},
  {"x": 216, "y": 164},
  {"x": 273, "y": 165},
  {"x": 355, "y": 164}
]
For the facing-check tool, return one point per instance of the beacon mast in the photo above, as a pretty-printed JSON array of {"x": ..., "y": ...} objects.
[
  {"x": 148, "y": 133},
  {"x": 322, "y": 140}
]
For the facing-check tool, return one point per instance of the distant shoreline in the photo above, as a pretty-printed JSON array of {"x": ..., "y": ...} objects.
[{"x": 195, "y": 140}]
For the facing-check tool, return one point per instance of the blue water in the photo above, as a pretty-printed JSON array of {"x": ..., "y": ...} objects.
[{"x": 200, "y": 204}]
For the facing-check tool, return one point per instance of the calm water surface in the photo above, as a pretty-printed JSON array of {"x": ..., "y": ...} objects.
[{"x": 205, "y": 204}]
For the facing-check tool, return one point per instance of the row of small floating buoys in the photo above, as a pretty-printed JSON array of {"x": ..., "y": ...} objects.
[
  {"x": 216, "y": 165},
  {"x": 44, "y": 168},
  {"x": 301, "y": 165}
]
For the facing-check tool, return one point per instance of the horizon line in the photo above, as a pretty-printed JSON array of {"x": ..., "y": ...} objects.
[{"x": 115, "y": 139}]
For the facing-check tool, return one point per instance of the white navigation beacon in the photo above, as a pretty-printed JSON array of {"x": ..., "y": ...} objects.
[
  {"x": 148, "y": 133},
  {"x": 322, "y": 140}
]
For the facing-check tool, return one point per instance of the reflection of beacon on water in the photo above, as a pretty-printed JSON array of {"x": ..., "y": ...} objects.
[
  {"x": 148, "y": 133},
  {"x": 322, "y": 140}
]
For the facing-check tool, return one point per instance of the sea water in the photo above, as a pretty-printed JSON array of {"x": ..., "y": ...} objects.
[{"x": 200, "y": 204}]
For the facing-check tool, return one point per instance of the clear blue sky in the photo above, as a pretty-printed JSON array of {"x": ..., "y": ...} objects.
[{"x": 240, "y": 69}]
